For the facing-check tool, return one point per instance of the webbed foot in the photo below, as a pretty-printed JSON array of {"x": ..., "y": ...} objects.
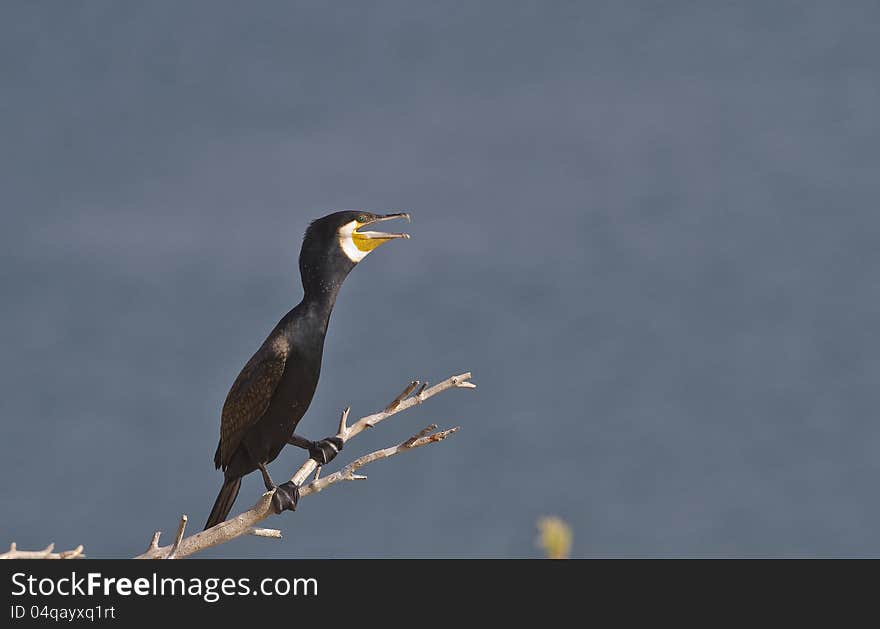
[
  {"x": 325, "y": 450},
  {"x": 285, "y": 498}
]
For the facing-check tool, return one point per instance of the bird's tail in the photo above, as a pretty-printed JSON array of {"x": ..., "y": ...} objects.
[{"x": 223, "y": 504}]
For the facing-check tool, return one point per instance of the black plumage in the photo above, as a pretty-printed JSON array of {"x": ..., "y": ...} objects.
[{"x": 276, "y": 386}]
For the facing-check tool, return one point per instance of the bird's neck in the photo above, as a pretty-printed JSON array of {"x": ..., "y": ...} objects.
[
  {"x": 322, "y": 275},
  {"x": 318, "y": 303}
]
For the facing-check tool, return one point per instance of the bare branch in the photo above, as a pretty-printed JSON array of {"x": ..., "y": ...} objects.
[
  {"x": 245, "y": 523},
  {"x": 46, "y": 553},
  {"x": 422, "y": 438},
  {"x": 348, "y": 432}
]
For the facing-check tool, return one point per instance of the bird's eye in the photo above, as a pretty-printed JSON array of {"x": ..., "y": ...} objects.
[{"x": 362, "y": 218}]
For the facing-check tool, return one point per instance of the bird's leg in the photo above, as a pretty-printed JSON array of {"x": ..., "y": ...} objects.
[
  {"x": 267, "y": 480},
  {"x": 322, "y": 451},
  {"x": 286, "y": 496}
]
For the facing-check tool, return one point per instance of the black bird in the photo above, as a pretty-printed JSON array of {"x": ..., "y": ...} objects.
[{"x": 275, "y": 387}]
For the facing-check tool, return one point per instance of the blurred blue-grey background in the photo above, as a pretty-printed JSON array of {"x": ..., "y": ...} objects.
[{"x": 650, "y": 230}]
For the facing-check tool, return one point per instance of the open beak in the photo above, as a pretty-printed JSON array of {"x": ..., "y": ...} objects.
[{"x": 367, "y": 240}]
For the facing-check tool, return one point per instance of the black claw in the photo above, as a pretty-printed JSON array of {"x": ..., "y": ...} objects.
[
  {"x": 285, "y": 498},
  {"x": 325, "y": 450}
]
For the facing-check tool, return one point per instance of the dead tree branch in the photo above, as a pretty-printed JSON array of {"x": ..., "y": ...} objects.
[
  {"x": 46, "y": 553},
  {"x": 245, "y": 523}
]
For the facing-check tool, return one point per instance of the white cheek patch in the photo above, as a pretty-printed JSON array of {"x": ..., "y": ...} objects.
[{"x": 347, "y": 243}]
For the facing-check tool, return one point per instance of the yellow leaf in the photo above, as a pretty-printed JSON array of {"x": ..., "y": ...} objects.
[{"x": 554, "y": 537}]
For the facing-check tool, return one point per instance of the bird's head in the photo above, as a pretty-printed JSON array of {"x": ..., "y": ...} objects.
[
  {"x": 355, "y": 236},
  {"x": 335, "y": 243}
]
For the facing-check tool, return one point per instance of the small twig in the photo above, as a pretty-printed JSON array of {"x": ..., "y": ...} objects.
[
  {"x": 180, "y": 530},
  {"x": 424, "y": 431},
  {"x": 154, "y": 543},
  {"x": 406, "y": 391},
  {"x": 258, "y": 532},
  {"x": 343, "y": 429}
]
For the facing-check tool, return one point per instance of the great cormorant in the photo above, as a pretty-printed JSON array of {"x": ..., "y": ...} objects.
[{"x": 275, "y": 387}]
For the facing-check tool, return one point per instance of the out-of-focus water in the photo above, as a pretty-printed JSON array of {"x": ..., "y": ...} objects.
[{"x": 650, "y": 232}]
